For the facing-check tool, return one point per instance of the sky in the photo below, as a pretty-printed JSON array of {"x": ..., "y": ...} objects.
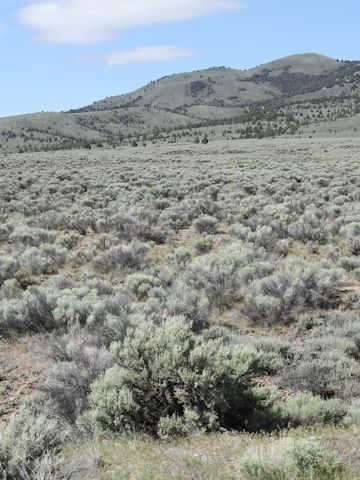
[{"x": 63, "y": 54}]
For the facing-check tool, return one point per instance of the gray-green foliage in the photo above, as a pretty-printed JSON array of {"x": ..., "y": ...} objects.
[
  {"x": 255, "y": 469},
  {"x": 295, "y": 286},
  {"x": 326, "y": 373},
  {"x": 307, "y": 410},
  {"x": 167, "y": 380},
  {"x": 304, "y": 460},
  {"x": 204, "y": 244},
  {"x": 28, "y": 438},
  {"x": 69, "y": 379},
  {"x": 285, "y": 227},
  {"x": 123, "y": 257},
  {"x": 141, "y": 283},
  {"x": 313, "y": 461},
  {"x": 206, "y": 224}
]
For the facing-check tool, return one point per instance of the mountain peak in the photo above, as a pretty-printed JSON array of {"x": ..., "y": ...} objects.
[{"x": 306, "y": 63}]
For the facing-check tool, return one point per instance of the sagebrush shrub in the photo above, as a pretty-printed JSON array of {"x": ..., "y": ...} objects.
[
  {"x": 309, "y": 228},
  {"x": 253, "y": 468},
  {"x": 26, "y": 236},
  {"x": 295, "y": 286},
  {"x": 206, "y": 224},
  {"x": 182, "y": 257},
  {"x": 340, "y": 332},
  {"x": 304, "y": 460},
  {"x": 123, "y": 257},
  {"x": 68, "y": 381},
  {"x": 46, "y": 258},
  {"x": 307, "y": 410},
  {"x": 110, "y": 318},
  {"x": 312, "y": 460},
  {"x": 33, "y": 312},
  {"x": 326, "y": 373},
  {"x": 217, "y": 277},
  {"x": 167, "y": 378},
  {"x": 141, "y": 283},
  {"x": 183, "y": 300},
  {"x": 204, "y": 244},
  {"x": 30, "y": 434},
  {"x": 275, "y": 353}
]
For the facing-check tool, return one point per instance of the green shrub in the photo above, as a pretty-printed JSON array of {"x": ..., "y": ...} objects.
[
  {"x": 312, "y": 461},
  {"x": 328, "y": 374},
  {"x": 68, "y": 380},
  {"x": 167, "y": 379},
  {"x": 182, "y": 257},
  {"x": 124, "y": 257},
  {"x": 141, "y": 284},
  {"x": 204, "y": 244},
  {"x": 275, "y": 353},
  {"x": 306, "y": 409},
  {"x": 27, "y": 439},
  {"x": 69, "y": 241},
  {"x": 24, "y": 276},
  {"x": 295, "y": 286},
  {"x": 183, "y": 300},
  {"x": 206, "y": 224},
  {"x": 253, "y": 468},
  {"x": 356, "y": 274}
]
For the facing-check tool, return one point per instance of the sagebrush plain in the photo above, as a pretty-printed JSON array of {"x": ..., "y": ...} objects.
[{"x": 181, "y": 311}]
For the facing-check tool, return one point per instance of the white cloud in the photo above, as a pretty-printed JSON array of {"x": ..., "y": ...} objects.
[
  {"x": 94, "y": 21},
  {"x": 150, "y": 54}
]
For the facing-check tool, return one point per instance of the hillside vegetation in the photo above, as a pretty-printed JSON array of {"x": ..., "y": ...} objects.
[
  {"x": 181, "y": 311},
  {"x": 297, "y": 95}
]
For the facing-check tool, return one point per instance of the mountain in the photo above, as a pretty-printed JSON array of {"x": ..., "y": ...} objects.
[
  {"x": 269, "y": 99},
  {"x": 220, "y": 87}
]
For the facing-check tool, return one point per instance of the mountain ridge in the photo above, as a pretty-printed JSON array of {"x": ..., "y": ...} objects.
[{"x": 216, "y": 95}]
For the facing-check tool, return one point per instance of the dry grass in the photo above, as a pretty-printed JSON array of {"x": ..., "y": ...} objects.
[{"x": 216, "y": 457}]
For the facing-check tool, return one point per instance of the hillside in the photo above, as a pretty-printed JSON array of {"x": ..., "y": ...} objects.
[
  {"x": 221, "y": 87},
  {"x": 268, "y": 100}
]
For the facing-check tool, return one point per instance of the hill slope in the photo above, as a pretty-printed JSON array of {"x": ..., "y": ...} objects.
[{"x": 265, "y": 94}]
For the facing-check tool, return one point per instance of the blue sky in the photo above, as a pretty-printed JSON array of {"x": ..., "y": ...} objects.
[{"x": 62, "y": 54}]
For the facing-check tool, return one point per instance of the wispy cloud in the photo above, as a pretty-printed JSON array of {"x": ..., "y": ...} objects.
[
  {"x": 95, "y": 21},
  {"x": 149, "y": 54}
]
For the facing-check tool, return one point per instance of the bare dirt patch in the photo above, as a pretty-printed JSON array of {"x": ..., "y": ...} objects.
[{"x": 22, "y": 366}]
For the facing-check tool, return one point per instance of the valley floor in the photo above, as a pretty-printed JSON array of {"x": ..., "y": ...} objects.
[{"x": 255, "y": 242}]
